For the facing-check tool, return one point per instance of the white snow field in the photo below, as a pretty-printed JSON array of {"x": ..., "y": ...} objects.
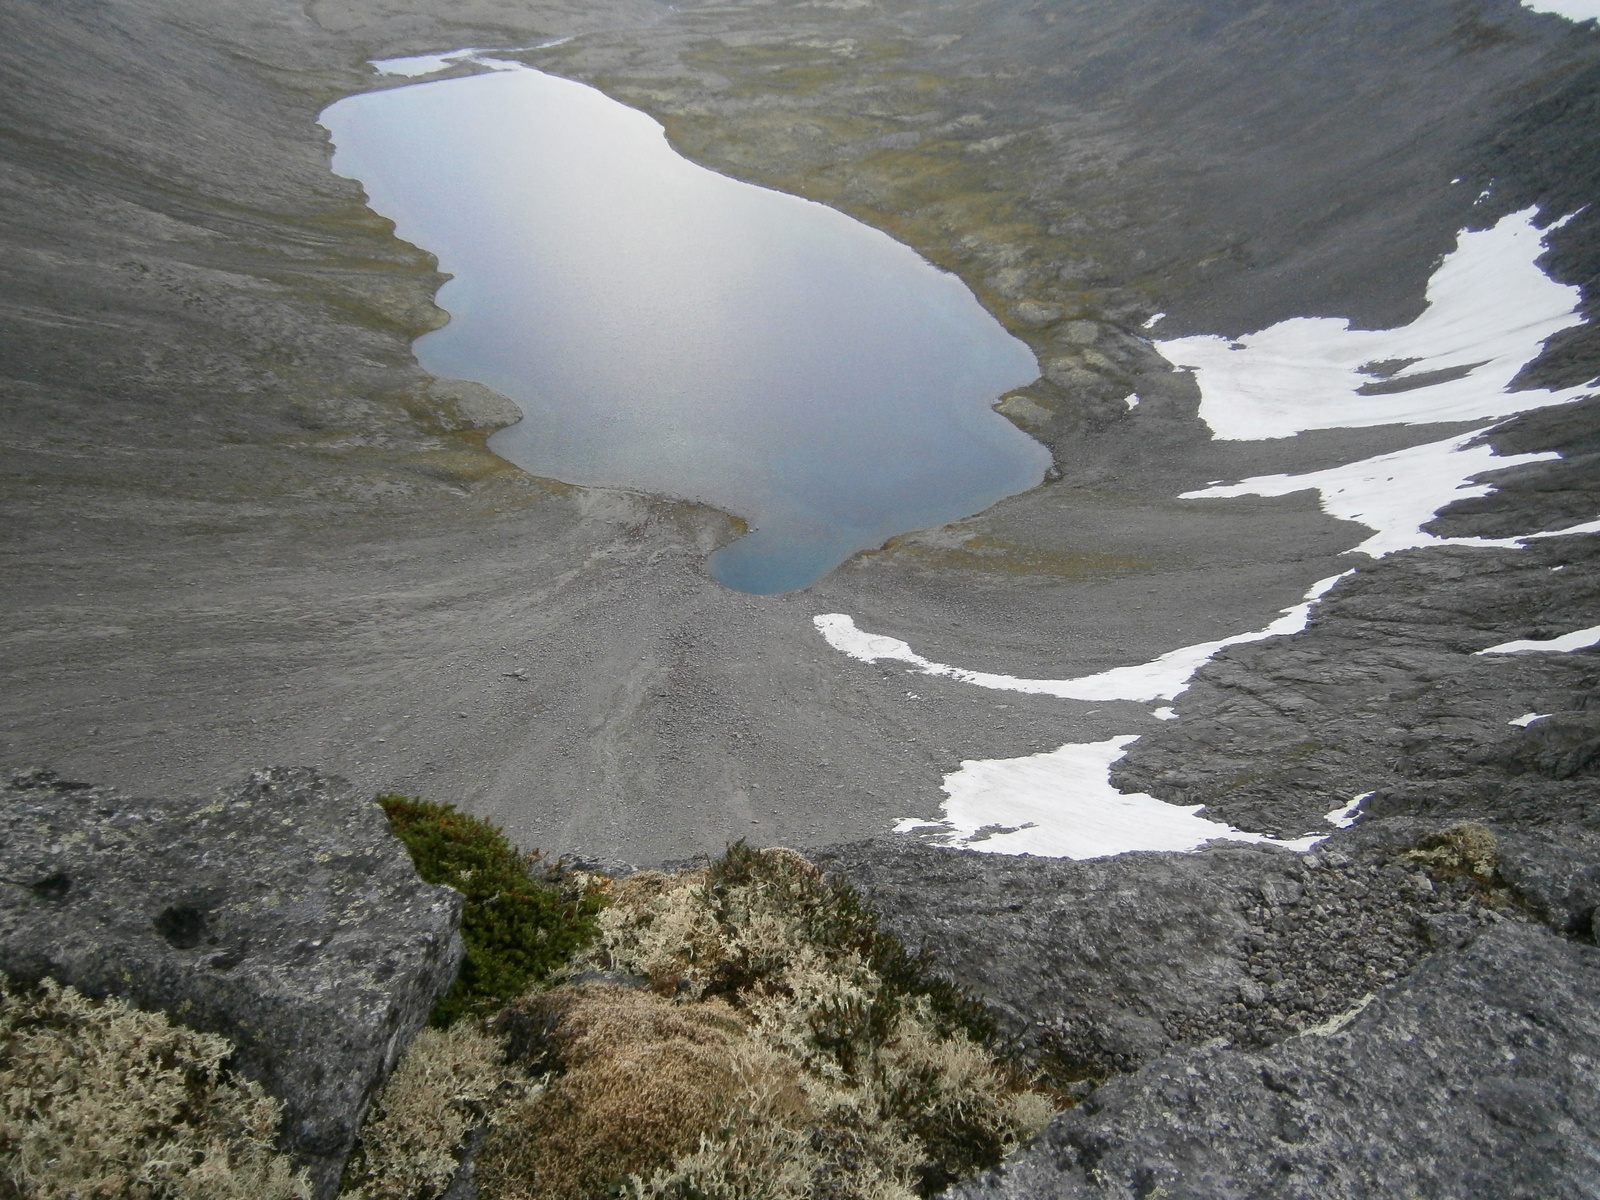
[
  {"x": 1062, "y": 805},
  {"x": 1489, "y": 311},
  {"x": 1160, "y": 679},
  {"x": 1393, "y": 494}
]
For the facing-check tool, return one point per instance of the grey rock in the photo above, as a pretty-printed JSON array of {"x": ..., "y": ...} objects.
[
  {"x": 282, "y": 914},
  {"x": 1557, "y": 876},
  {"x": 1561, "y": 746},
  {"x": 464, "y": 404},
  {"x": 1094, "y": 967},
  {"x": 1031, "y": 312},
  {"x": 1474, "y": 1077},
  {"x": 1390, "y": 696}
]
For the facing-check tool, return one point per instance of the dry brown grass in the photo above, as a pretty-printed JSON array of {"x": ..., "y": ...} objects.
[
  {"x": 646, "y": 1083},
  {"x": 784, "y": 1049},
  {"x": 99, "y": 1101}
]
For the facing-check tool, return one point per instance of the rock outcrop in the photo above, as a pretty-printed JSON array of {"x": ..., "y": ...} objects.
[
  {"x": 1395, "y": 1013},
  {"x": 282, "y": 914},
  {"x": 1099, "y": 966},
  {"x": 1475, "y": 1077}
]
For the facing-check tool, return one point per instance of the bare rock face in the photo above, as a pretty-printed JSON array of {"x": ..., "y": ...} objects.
[
  {"x": 1097, "y": 967},
  {"x": 1474, "y": 1077},
  {"x": 283, "y": 915}
]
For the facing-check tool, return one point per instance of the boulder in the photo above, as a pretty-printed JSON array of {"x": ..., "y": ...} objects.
[{"x": 282, "y": 914}]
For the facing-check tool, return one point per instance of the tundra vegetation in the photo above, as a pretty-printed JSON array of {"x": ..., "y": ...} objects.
[
  {"x": 99, "y": 1101},
  {"x": 517, "y": 926},
  {"x": 742, "y": 1029},
  {"x": 739, "y": 1030}
]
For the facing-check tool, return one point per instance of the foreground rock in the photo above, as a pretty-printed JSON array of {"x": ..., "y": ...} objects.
[
  {"x": 1097, "y": 967},
  {"x": 283, "y": 915},
  {"x": 1407, "y": 1010},
  {"x": 1473, "y": 1078}
]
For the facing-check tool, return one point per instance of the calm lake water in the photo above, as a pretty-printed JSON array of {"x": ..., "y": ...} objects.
[{"x": 668, "y": 329}]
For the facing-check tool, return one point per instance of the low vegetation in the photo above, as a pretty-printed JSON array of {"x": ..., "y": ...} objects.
[
  {"x": 517, "y": 927},
  {"x": 750, "y": 1032},
  {"x": 99, "y": 1101},
  {"x": 447, "y": 1085},
  {"x": 1465, "y": 857},
  {"x": 744, "y": 1031}
]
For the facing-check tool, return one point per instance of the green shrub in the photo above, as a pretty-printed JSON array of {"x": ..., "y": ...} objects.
[
  {"x": 517, "y": 928},
  {"x": 99, "y": 1101}
]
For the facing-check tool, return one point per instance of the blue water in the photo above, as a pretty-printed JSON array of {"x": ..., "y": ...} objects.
[{"x": 667, "y": 329}]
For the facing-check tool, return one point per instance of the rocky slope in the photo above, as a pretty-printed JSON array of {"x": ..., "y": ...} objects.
[
  {"x": 243, "y": 526},
  {"x": 281, "y": 914},
  {"x": 235, "y": 506}
]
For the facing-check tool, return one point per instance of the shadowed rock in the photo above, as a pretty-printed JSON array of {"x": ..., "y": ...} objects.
[
  {"x": 1472, "y": 1078},
  {"x": 282, "y": 914}
]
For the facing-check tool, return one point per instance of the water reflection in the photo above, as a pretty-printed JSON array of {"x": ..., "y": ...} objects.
[{"x": 665, "y": 328}]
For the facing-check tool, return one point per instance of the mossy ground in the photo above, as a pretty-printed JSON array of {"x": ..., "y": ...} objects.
[
  {"x": 99, "y": 1101},
  {"x": 771, "y": 1041}
]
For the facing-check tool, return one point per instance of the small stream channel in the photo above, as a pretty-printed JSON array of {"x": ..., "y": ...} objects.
[{"x": 667, "y": 329}]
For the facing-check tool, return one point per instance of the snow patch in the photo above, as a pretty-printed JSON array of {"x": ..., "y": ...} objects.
[
  {"x": 1579, "y": 639},
  {"x": 1527, "y": 719},
  {"x": 1165, "y": 714},
  {"x": 1159, "y": 679},
  {"x": 1572, "y": 10},
  {"x": 1061, "y": 804},
  {"x": 1396, "y": 494},
  {"x": 1489, "y": 311},
  {"x": 415, "y": 66},
  {"x": 1343, "y": 818}
]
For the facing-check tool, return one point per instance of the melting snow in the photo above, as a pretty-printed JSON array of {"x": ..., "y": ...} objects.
[
  {"x": 1062, "y": 805},
  {"x": 1489, "y": 311},
  {"x": 1580, "y": 639},
  {"x": 1572, "y": 10},
  {"x": 1343, "y": 818},
  {"x": 1160, "y": 679},
  {"x": 1527, "y": 719},
  {"x": 416, "y": 65},
  {"x": 1396, "y": 494}
]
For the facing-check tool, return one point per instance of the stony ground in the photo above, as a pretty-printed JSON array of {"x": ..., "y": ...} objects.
[{"x": 242, "y": 527}]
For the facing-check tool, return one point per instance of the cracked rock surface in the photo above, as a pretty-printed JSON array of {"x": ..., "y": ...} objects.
[
  {"x": 1474, "y": 1077},
  {"x": 1098, "y": 966},
  {"x": 282, "y": 914}
]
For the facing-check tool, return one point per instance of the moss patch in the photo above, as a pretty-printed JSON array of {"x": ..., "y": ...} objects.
[{"x": 99, "y": 1101}]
